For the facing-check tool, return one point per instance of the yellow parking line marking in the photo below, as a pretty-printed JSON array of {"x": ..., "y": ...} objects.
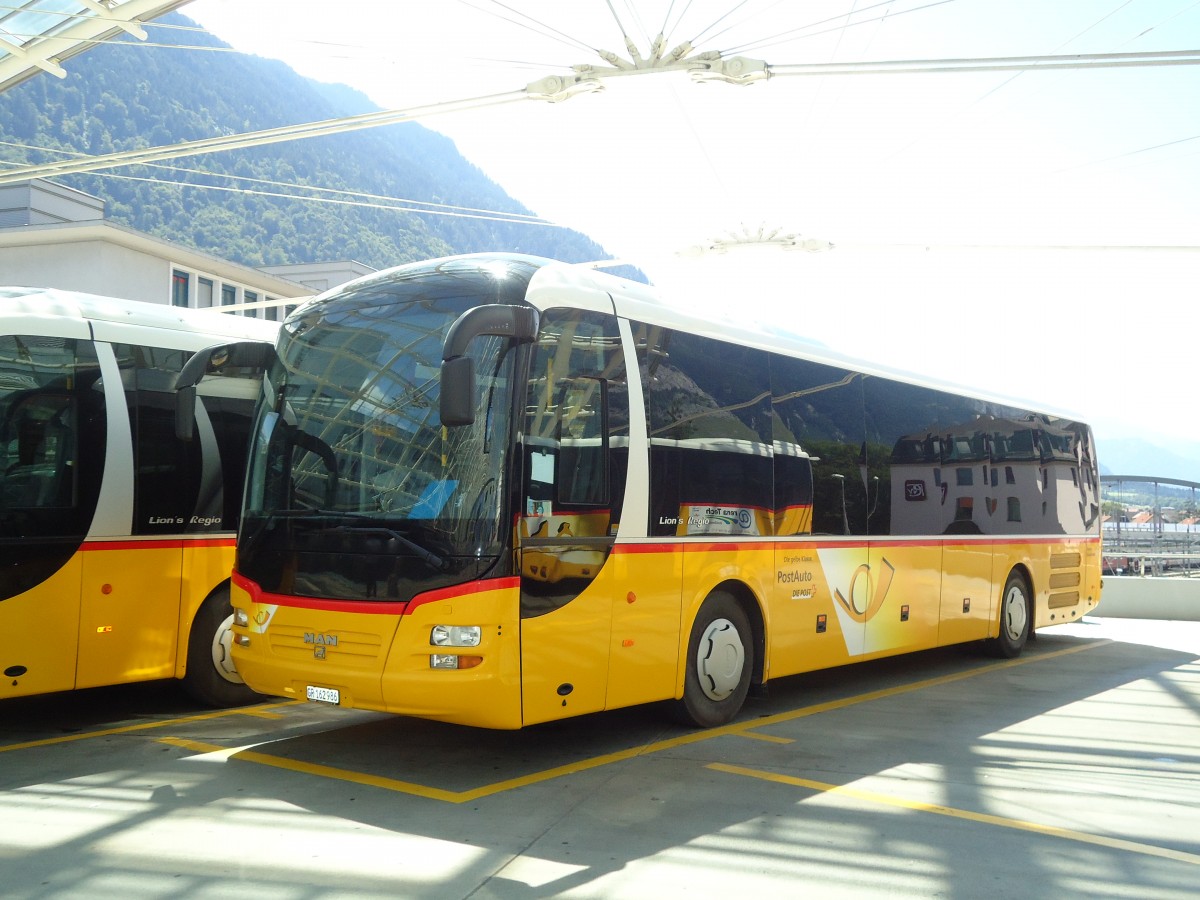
[
  {"x": 145, "y": 726},
  {"x": 260, "y": 712},
  {"x": 940, "y": 680},
  {"x": 280, "y": 762},
  {"x": 745, "y": 729},
  {"x": 770, "y": 738},
  {"x": 984, "y": 818}
]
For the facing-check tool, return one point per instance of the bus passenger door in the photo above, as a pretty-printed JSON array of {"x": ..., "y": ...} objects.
[
  {"x": 49, "y": 481},
  {"x": 562, "y": 549},
  {"x": 129, "y": 603},
  {"x": 572, "y": 486}
]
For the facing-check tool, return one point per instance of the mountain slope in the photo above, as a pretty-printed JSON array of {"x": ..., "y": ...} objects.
[{"x": 236, "y": 204}]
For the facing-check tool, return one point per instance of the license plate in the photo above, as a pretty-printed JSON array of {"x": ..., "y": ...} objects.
[{"x": 324, "y": 695}]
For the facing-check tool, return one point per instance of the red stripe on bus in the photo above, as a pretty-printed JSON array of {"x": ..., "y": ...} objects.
[
  {"x": 372, "y": 607},
  {"x": 692, "y": 546},
  {"x": 172, "y": 543},
  {"x": 462, "y": 590},
  {"x": 258, "y": 595}
]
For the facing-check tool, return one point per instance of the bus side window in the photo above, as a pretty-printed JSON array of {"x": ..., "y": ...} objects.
[
  {"x": 167, "y": 470},
  {"x": 582, "y": 476},
  {"x": 39, "y": 466}
]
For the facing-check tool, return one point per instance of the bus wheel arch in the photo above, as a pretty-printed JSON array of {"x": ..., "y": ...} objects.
[
  {"x": 209, "y": 677},
  {"x": 724, "y": 654},
  {"x": 1015, "y": 616}
]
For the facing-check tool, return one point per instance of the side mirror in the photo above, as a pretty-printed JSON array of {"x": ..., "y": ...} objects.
[
  {"x": 457, "y": 401},
  {"x": 253, "y": 355},
  {"x": 457, "y": 398}
]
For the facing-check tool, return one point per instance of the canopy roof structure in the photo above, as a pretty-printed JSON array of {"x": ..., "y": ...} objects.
[{"x": 40, "y": 35}]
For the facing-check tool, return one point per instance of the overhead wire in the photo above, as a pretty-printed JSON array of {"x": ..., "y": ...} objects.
[
  {"x": 383, "y": 203},
  {"x": 1126, "y": 155},
  {"x": 363, "y": 199},
  {"x": 1174, "y": 15},
  {"x": 620, "y": 24},
  {"x": 637, "y": 21},
  {"x": 325, "y": 127},
  {"x": 749, "y": 16},
  {"x": 758, "y": 13},
  {"x": 695, "y": 39},
  {"x": 540, "y": 28},
  {"x": 377, "y": 201},
  {"x": 528, "y": 22},
  {"x": 786, "y": 37},
  {"x": 816, "y": 94},
  {"x": 1009, "y": 80},
  {"x": 666, "y": 28}
]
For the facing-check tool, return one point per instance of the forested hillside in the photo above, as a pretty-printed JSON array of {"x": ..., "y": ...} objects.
[{"x": 127, "y": 96}]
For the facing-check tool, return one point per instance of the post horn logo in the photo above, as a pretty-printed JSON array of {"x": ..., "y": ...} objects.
[{"x": 866, "y": 600}]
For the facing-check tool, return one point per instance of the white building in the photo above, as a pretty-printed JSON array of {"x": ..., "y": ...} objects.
[{"x": 52, "y": 236}]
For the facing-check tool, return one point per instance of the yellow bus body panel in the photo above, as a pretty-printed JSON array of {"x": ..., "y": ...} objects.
[
  {"x": 646, "y": 601},
  {"x": 291, "y": 647},
  {"x": 564, "y": 655},
  {"x": 487, "y": 695},
  {"x": 969, "y": 603},
  {"x": 380, "y": 658},
  {"x": 117, "y": 612},
  {"x": 129, "y": 614},
  {"x": 623, "y": 640},
  {"x": 40, "y": 635}
]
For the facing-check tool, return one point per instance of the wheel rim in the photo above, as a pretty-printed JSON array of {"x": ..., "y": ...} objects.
[
  {"x": 222, "y": 657},
  {"x": 720, "y": 659},
  {"x": 1016, "y": 612}
]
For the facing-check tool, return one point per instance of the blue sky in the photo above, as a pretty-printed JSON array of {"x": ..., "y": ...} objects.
[{"x": 901, "y": 173}]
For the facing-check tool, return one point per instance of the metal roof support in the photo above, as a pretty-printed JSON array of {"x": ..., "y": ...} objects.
[
  {"x": 68, "y": 35},
  {"x": 19, "y": 54}
]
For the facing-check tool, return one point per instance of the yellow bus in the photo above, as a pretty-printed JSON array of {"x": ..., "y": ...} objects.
[
  {"x": 499, "y": 490},
  {"x": 117, "y": 536}
]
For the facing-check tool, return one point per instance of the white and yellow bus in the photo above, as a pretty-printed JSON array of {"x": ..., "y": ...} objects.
[
  {"x": 116, "y": 535},
  {"x": 498, "y": 490}
]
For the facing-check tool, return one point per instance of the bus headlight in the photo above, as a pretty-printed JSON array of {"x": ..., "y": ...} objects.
[
  {"x": 455, "y": 635},
  {"x": 240, "y": 617}
]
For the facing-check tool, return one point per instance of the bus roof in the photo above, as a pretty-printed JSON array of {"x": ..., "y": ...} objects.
[
  {"x": 587, "y": 287},
  {"x": 23, "y": 308},
  {"x": 643, "y": 303}
]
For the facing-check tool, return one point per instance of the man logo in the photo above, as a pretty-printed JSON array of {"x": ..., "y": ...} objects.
[
  {"x": 914, "y": 490},
  {"x": 320, "y": 642}
]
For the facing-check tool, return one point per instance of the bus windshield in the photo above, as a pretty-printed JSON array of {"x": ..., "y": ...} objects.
[{"x": 355, "y": 489}]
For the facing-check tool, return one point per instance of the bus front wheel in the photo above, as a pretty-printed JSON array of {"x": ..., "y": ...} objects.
[
  {"x": 1016, "y": 620},
  {"x": 719, "y": 663},
  {"x": 211, "y": 678}
]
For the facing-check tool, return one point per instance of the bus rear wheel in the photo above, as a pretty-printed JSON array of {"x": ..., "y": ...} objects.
[
  {"x": 719, "y": 663},
  {"x": 1016, "y": 620},
  {"x": 211, "y": 678}
]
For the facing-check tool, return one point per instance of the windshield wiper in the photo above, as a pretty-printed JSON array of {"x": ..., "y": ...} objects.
[
  {"x": 427, "y": 556},
  {"x": 268, "y": 518}
]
